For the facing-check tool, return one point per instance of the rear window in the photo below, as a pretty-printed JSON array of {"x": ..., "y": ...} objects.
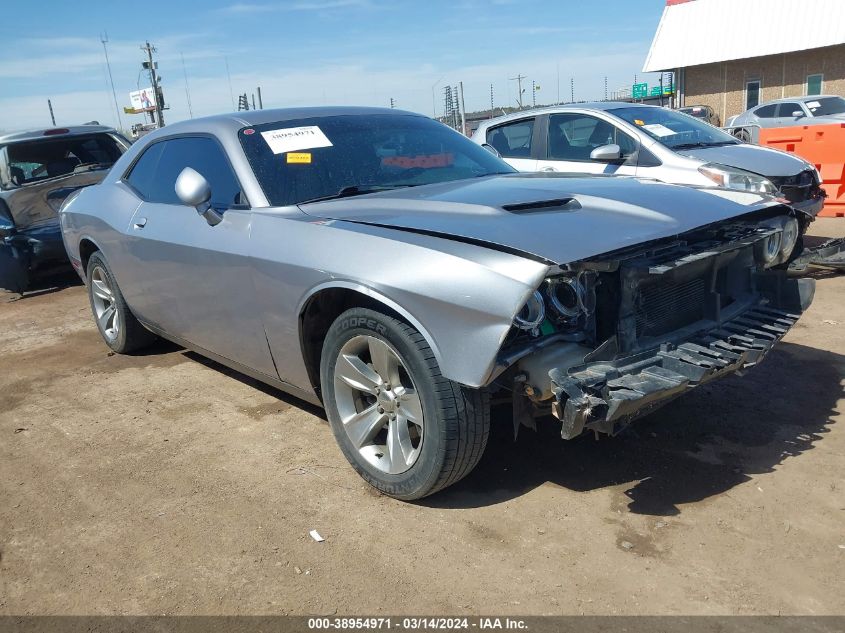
[{"x": 32, "y": 161}]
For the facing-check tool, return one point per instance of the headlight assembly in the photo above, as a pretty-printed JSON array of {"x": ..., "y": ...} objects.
[
  {"x": 733, "y": 178},
  {"x": 768, "y": 249},
  {"x": 566, "y": 296},
  {"x": 777, "y": 247},
  {"x": 532, "y": 314}
]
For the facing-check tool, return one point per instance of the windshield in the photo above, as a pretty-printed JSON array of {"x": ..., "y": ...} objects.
[
  {"x": 673, "y": 129},
  {"x": 32, "y": 161},
  {"x": 826, "y": 106},
  {"x": 335, "y": 156}
]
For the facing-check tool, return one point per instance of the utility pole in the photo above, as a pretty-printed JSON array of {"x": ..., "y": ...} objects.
[
  {"x": 154, "y": 79},
  {"x": 260, "y": 102},
  {"x": 392, "y": 104},
  {"x": 605, "y": 88},
  {"x": 558, "y": 84},
  {"x": 187, "y": 90},
  {"x": 491, "y": 101},
  {"x": 229, "y": 77},
  {"x": 463, "y": 110},
  {"x": 52, "y": 118},
  {"x": 572, "y": 90},
  {"x": 253, "y": 101},
  {"x": 518, "y": 79},
  {"x": 104, "y": 38},
  {"x": 661, "y": 89}
]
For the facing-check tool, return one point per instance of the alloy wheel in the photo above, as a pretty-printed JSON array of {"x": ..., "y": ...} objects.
[
  {"x": 378, "y": 404},
  {"x": 105, "y": 307}
]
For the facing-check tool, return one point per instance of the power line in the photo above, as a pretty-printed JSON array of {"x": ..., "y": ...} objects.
[
  {"x": 104, "y": 38},
  {"x": 187, "y": 90}
]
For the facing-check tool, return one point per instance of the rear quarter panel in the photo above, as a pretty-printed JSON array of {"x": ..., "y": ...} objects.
[{"x": 102, "y": 213}]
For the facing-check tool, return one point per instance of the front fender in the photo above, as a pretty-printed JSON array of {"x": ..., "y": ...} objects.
[{"x": 461, "y": 297}]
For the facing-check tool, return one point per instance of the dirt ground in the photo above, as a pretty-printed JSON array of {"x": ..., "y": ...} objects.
[{"x": 165, "y": 484}]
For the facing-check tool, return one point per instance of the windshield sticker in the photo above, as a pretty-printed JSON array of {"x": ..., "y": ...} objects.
[
  {"x": 424, "y": 161},
  {"x": 813, "y": 104},
  {"x": 299, "y": 158},
  {"x": 293, "y": 139},
  {"x": 659, "y": 130}
]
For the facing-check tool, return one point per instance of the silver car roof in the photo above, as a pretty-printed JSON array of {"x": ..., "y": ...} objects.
[
  {"x": 603, "y": 106},
  {"x": 803, "y": 99},
  {"x": 233, "y": 121}
]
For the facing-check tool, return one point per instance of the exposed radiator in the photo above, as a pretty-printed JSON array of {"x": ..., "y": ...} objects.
[{"x": 663, "y": 307}]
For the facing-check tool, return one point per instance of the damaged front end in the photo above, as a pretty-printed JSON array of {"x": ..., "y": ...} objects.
[{"x": 622, "y": 334}]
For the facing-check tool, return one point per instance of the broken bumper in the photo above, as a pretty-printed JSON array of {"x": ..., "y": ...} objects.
[
  {"x": 830, "y": 254},
  {"x": 605, "y": 396}
]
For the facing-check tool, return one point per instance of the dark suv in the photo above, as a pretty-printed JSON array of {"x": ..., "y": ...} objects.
[{"x": 39, "y": 169}]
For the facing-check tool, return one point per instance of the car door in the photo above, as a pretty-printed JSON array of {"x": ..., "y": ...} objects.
[
  {"x": 785, "y": 116},
  {"x": 571, "y": 138},
  {"x": 515, "y": 141},
  {"x": 196, "y": 279}
]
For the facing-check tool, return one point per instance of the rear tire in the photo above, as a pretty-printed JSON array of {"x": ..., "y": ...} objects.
[
  {"x": 119, "y": 328},
  {"x": 743, "y": 135},
  {"x": 406, "y": 429}
]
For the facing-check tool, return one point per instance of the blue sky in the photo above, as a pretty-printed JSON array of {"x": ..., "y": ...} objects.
[{"x": 314, "y": 52}]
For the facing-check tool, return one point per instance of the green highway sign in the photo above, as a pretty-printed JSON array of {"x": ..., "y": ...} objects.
[{"x": 640, "y": 91}]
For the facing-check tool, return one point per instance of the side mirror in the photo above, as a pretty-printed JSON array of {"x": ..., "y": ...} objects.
[
  {"x": 491, "y": 149},
  {"x": 798, "y": 114},
  {"x": 194, "y": 191},
  {"x": 607, "y": 153}
]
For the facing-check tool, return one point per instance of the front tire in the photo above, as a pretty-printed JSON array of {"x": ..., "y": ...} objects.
[
  {"x": 406, "y": 429},
  {"x": 119, "y": 328}
]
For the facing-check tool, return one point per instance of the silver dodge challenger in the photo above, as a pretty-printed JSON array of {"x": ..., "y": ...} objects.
[{"x": 381, "y": 265}]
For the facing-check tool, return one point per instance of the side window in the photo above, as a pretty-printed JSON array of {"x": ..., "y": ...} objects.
[
  {"x": 205, "y": 156},
  {"x": 786, "y": 109},
  {"x": 766, "y": 112},
  {"x": 575, "y": 136},
  {"x": 143, "y": 172},
  {"x": 200, "y": 153},
  {"x": 513, "y": 140}
]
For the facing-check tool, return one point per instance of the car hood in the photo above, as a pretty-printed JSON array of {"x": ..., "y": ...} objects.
[
  {"x": 759, "y": 160},
  {"x": 556, "y": 218}
]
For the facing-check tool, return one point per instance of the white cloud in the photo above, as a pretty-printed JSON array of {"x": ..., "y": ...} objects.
[
  {"x": 247, "y": 8},
  {"x": 359, "y": 82}
]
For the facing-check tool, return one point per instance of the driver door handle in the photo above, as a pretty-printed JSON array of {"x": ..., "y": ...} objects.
[{"x": 140, "y": 223}]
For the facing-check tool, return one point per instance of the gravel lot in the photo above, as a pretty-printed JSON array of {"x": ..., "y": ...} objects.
[{"x": 165, "y": 483}]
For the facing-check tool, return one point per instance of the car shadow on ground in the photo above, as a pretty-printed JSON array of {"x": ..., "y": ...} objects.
[
  {"x": 257, "y": 384},
  {"x": 44, "y": 284},
  {"x": 701, "y": 445}
]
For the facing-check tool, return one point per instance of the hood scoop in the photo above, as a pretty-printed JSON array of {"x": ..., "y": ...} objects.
[{"x": 537, "y": 206}]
